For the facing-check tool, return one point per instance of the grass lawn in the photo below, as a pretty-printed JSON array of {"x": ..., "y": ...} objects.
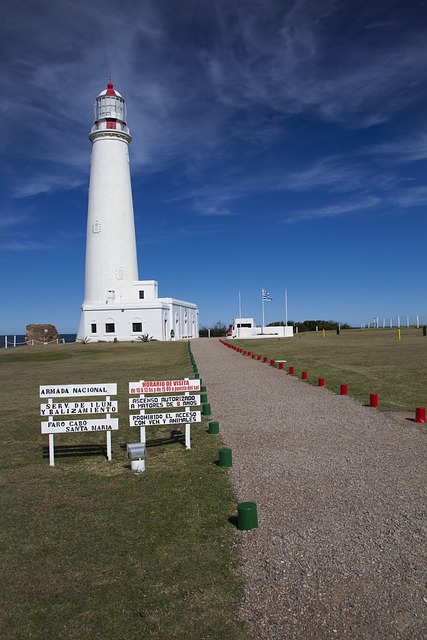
[
  {"x": 90, "y": 550},
  {"x": 368, "y": 361}
]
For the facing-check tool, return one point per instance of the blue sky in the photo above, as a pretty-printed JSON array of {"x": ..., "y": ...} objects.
[{"x": 277, "y": 144}]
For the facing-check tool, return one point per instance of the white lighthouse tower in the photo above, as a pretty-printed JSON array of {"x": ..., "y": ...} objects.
[{"x": 118, "y": 306}]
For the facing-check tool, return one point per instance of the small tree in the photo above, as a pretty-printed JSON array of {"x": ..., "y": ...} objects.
[{"x": 218, "y": 330}]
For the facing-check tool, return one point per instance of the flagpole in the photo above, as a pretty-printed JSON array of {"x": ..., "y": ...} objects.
[
  {"x": 240, "y": 315},
  {"x": 286, "y": 307},
  {"x": 262, "y": 298}
]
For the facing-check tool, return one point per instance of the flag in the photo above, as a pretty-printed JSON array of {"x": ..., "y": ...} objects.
[{"x": 266, "y": 295}]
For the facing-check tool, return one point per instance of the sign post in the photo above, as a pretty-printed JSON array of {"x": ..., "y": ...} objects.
[
  {"x": 181, "y": 396},
  {"x": 52, "y": 409}
]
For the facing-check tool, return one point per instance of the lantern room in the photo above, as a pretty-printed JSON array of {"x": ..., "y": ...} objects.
[{"x": 110, "y": 104}]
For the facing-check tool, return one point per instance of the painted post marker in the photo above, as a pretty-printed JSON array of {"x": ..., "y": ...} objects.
[
  {"x": 373, "y": 400},
  {"x": 420, "y": 414},
  {"x": 213, "y": 427},
  {"x": 225, "y": 457},
  {"x": 247, "y": 516}
]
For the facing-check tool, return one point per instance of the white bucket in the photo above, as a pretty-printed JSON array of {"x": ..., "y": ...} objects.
[{"x": 137, "y": 466}]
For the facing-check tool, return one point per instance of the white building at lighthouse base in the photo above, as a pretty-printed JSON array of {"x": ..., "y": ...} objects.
[{"x": 161, "y": 318}]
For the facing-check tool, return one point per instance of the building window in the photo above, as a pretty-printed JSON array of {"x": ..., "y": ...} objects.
[
  {"x": 110, "y": 327},
  {"x": 93, "y": 328},
  {"x": 137, "y": 327},
  {"x": 141, "y": 295}
]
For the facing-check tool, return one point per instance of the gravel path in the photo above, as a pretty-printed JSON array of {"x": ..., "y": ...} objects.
[{"x": 340, "y": 551}]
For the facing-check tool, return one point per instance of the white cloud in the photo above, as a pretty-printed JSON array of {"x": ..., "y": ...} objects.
[
  {"x": 356, "y": 205},
  {"x": 404, "y": 150}
]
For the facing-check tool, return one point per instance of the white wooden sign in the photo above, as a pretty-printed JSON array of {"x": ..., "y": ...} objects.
[
  {"x": 164, "y": 402},
  {"x": 164, "y": 386},
  {"x": 76, "y": 408},
  {"x": 95, "y": 389},
  {"x": 153, "y": 419},
  {"x": 52, "y": 408},
  {"x": 80, "y": 426},
  {"x": 181, "y": 395}
]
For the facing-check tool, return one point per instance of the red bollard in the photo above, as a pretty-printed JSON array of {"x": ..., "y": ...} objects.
[
  {"x": 280, "y": 365},
  {"x": 343, "y": 390},
  {"x": 321, "y": 382},
  {"x": 291, "y": 370},
  {"x": 304, "y": 375},
  {"x": 420, "y": 414},
  {"x": 253, "y": 356},
  {"x": 244, "y": 353},
  {"x": 259, "y": 357},
  {"x": 373, "y": 400},
  {"x": 249, "y": 353},
  {"x": 264, "y": 359},
  {"x": 272, "y": 362}
]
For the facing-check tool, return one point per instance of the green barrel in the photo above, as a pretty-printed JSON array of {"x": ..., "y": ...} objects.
[
  {"x": 247, "y": 516},
  {"x": 204, "y": 398},
  {"x": 213, "y": 427},
  {"x": 225, "y": 458},
  {"x": 206, "y": 409},
  {"x": 203, "y": 388},
  {"x": 196, "y": 375}
]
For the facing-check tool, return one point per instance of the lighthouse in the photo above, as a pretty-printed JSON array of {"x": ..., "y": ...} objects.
[{"x": 116, "y": 305}]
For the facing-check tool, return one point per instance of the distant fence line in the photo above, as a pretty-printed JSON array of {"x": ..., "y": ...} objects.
[
  {"x": 13, "y": 342},
  {"x": 398, "y": 321}
]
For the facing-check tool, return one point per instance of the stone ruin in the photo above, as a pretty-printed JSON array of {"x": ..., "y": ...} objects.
[{"x": 43, "y": 333}]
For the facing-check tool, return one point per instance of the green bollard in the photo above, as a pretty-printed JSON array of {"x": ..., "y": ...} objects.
[
  {"x": 213, "y": 427},
  {"x": 196, "y": 375},
  {"x": 206, "y": 409},
  {"x": 204, "y": 398},
  {"x": 225, "y": 458},
  {"x": 247, "y": 516},
  {"x": 203, "y": 387}
]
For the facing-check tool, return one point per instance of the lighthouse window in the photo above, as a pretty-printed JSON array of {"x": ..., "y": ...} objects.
[
  {"x": 137, "y": 327},
  {"x": 93, "y": 328},
  {"x": 141, "y": 295},
  {"x": 110, "y": 327}
]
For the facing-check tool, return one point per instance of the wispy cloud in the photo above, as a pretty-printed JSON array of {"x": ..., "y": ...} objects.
[
  {"x": 333, "y": 211},
  {"x": 404, "y": 150},
  {"x": 188, "y": 97}
]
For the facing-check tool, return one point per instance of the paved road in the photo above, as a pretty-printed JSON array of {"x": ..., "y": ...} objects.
[{"x": 340, "y": 551}]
